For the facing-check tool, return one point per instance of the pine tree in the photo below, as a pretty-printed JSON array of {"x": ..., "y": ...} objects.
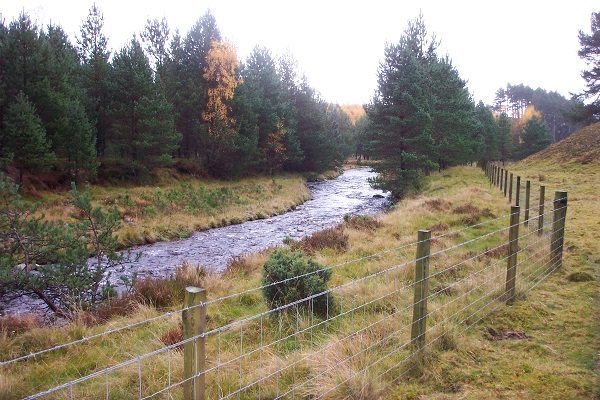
[
  {"x": 155, "y": 37},
  {"x": 96, "y": 75},
  {"x": 504, "y": 140},
  {"x": 25, "y": 137},
  {"x": 453, "y": 118},
  {"x": 143, "y": 125},
  {"x": 22, "y": 48},
  {"x": 535, "y": 137},
  {"x": 192, "y": 100},
  {"x": 487, "y": 134},
  {"x": 401, "y": 113},
  {"x": 61, "y": 105},
  {"x": 590, "y": 52}
]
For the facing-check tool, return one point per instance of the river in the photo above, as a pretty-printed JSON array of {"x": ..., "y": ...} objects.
[{"x": 349, "y": 193}]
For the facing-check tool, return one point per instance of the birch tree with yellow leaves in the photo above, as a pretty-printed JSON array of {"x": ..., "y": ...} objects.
[{"x": 221, "y": 76}]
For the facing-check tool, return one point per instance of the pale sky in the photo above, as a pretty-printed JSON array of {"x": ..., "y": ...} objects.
[{"x": 339, "y": 44}]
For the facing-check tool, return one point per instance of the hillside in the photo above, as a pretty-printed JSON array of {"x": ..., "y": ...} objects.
[{"x": 582, "y": 147}]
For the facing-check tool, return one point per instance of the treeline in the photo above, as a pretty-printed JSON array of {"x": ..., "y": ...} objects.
[
  {"x": 163, "y": 99},
  {"x": 422, "y": 118},
  {"x": 557, "y": 112}
]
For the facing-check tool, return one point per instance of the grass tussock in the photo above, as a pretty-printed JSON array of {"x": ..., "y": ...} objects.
[
  {"x": 558, "y": 361},
  {"x": 437, "y": 205},
  {"x": 362, "y": 222},
  {"x": 158, "y": 292},
  {"x": 173, "y": 336},
  {"x": 332, "y": 238},
  {"x": 15, "y": 324}
]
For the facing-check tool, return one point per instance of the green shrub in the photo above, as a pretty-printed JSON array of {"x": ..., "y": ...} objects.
[{"x": 283, "y": 265}]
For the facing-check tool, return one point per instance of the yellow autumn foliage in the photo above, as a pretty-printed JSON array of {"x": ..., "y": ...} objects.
[
  {"x": 221, "y": 74},
  {"x": 517, "y": 126},
  {"x": 275, "y": 148}
]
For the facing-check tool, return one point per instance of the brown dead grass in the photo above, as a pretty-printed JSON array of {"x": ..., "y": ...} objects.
[
  {"x": 157, "y": 292},
  {"x": 16, "y": 324},
  {"x": 439, "y": 227},
  {"x": 471, "y": 214},
  {"x": 332, "y": 238},
  {"x": 172, "y": 336},
  {"x": 363, "y": 223},
  {"x": 437, "y": 205}
]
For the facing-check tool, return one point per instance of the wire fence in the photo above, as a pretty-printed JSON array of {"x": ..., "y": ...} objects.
[{"x": 375, "y": 323}]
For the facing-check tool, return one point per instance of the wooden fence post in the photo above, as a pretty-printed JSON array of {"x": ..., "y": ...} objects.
[
  {"x": 419, "y": 322},
  {"x": 510, "y": 189},
  {"x": 527, "y": 194},
  {"x": 498, "y": 173},
  {"x": 518, "y": 192},
  {"x": 541, "y": 210},
  {"x": 194, "y": 357},
  {"x": 495, "y": 175},
  {"x": 558, "y": 227},
  {"x": 513, "y": 249}
]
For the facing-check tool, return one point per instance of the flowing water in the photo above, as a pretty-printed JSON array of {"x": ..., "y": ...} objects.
[{"x": 350, "y": 193}]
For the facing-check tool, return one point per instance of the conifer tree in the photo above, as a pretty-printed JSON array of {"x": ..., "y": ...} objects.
[
  {"x": 504, "y": 139},
  {"x": 401, "y": 113},
  {"x": 143, "y": 124},
  {"x": 25, "y": 137},
  {"x": 590, "y": 52},
  {"x": 96, "y": 75},
  {"x": 535, "y": 136},
  {"x": 487, "y": 134}
]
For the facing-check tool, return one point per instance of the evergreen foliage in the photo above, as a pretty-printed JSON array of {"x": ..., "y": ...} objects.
[
  {"x": 49, "y": 259},
  {"x": 169, "y": 96},
  {"x": 535, "y": 136},
  {"x": 300, "y": 278},
  {"x": 422, "y": 116},
  {"x": 590, "y": 52},
  {"x": 24, "y": 137}
]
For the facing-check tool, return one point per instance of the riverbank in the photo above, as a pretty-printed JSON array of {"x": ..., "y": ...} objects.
[
  {"x": 176, "y": 206},
  {"x": 560, "y": 316}
]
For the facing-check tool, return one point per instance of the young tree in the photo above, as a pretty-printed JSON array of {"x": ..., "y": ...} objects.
[
  {"x": 590, "y": 52},
  {"x": 28, "y": 239},
  {"x": 25, "y": 137},
  {"x": 49, "y": 259}
]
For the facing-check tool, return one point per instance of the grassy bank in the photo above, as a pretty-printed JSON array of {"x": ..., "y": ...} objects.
[
  {"x": 560, "y": 317},
  {"x": 176, "y": 206}
]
